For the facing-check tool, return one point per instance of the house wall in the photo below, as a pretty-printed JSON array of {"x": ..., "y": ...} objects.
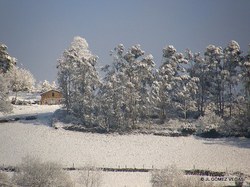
[{"x": 51, "y": 98}]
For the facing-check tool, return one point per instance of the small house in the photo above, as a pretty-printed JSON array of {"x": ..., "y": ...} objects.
[{"x": 51, "y": 97}]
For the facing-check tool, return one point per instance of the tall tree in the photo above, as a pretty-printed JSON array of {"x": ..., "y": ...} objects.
[
  {"x": 6, "y": 61},
  {"x": 78, "y": 80},
  {"x": 171, "y": 87},
  {"x": 126, "y": 88},
  {"x": 20, "y": 79},
  {"x": 232, "y": 60},
  {"x": 198, "y": 68},
  {"x": 245, "y": 78},
  {"x": 215, "y": 64}
]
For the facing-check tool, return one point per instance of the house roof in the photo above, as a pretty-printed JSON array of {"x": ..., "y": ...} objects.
[{"x": 50, "y": 91}]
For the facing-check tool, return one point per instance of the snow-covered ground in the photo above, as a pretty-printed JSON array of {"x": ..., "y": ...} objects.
[
  {"x": 30, "y": 110},
  {"x": 117, "y": 179},
  {"x": 19, "y": 139}
]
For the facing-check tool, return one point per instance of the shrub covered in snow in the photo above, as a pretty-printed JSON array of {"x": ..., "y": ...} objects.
[
  {"x": 188, "y": 128},
  {"x": 5, "y": 105},
  {"x": 5, "y": 180},
  {"x": 209, "y": 122},
  {"x": 90, "y": 177},
  {"x": 238, "y": 126},
  {"x": 172, "y": 177},
  {"x": 33, "y": 173}
]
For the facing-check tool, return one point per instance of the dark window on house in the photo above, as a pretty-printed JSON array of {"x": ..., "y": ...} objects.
[{"x": 53, "y": 94}]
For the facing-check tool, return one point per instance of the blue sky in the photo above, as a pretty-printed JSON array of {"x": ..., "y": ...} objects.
[{"x": 37, "y": 32}]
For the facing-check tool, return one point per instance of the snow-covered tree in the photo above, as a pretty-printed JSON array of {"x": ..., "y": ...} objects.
[
  {"x": 245, "y": 79},
  {"x": 230, "y": 73},
  {"x": 173, "y": 87},
  {"x": 78, "y": 80},
  {"x": 145, "y": 69},
  {"x": 218, "y": 73},
  {"x": 139, "y": 73},
  {"x": 215, "y": 64},
  {"x": 198, "y": 68},
  {"x": 46, "y": 86},
  {"x": 222, "y": 73},
  {"x": 125, "y": 92},
  {"x": 6, "y": 64},
  {"x": 20, "y": 79},
  {"x": 6, "y": 61},
  {"x": 246, "y": 75},
  {"x": 185, "y": 100}
]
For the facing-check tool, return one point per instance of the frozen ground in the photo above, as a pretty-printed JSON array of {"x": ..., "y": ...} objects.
[
  {"x": 112, "y": 179},
  {"x": 35, "y": 138},
  {"x": 117, "y": 179},
  {"x": 20, "y": 139},
  {"x": 30, "y": 110}
]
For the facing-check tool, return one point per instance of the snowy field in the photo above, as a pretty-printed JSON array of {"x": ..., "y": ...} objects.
[
  {"x": 31, "y": 110},
  {"x": 20, "y": 139},
  {"x": 117, "y": 179},
  {"x": 36, "y": 138}
]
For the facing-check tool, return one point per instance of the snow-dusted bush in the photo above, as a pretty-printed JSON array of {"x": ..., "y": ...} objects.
[
  {"x": 90, "y": 177},
  {"x": 61, "y": 115},
  {"x": 21, "y": 79},
  {"x": 209, "y": 121},
  {"x": 172, "y": 177},
  {"x": 5, "y": 180},
  {"x": 188, "y": 128},
  {"x": 5, "y": 105},
  {"x": 175, "y": 124},
  {"x": 238, "y": 126},
  {"x": 169, "y": 176},
  {"x": 34, "y": 173}
]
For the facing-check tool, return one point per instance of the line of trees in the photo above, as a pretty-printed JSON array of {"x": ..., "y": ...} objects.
[
  {"x": 185, "y": 85},
  {"x": 12, "y": 78}
]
